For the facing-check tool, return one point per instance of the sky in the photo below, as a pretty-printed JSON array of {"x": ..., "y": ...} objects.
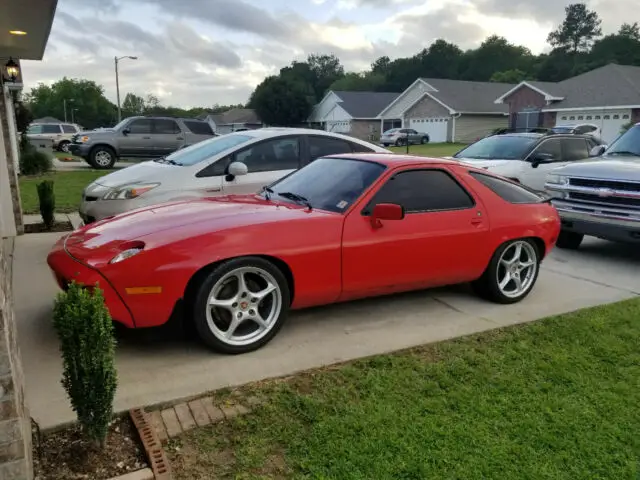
[{"x": 195, "y": 53}]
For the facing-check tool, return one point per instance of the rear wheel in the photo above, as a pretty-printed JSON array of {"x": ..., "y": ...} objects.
[
  {"x": 241, "y": 305},
  {"x": 512, "y": 272},
  {"x": 569, "y": 240},
  {"x": 64, "y": 146}
]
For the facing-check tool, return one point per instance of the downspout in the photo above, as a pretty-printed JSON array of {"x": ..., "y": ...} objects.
[{"x": 453, "y": 126}]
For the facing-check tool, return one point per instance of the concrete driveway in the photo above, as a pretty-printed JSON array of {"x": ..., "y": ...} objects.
[{"x": 162, "y": 364}]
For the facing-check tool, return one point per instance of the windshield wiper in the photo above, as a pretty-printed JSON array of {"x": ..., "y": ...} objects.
[
  {"x": 267, "y": 192},
  {"x": 296, "y": 198},
  {"x": 167, "y": 160},
  {"x": 623, "y": 152}
]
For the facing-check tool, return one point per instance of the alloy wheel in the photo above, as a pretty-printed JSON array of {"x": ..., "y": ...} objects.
[
  {"x": 103, "y": 158},
  {"x": 517, "y": 269},
  {"x": 243, "y": 306}
]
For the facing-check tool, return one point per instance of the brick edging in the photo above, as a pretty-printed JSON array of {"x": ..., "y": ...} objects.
[{"x": 156, "y": 455}]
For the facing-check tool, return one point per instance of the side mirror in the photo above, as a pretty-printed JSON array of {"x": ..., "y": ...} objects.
[
  {"x": 126, "y": 131},
  {"x": 597, "y": 150},
  {"x": 539, "y": 158},
  {"x": 236, "y": 169},
  {"x": 386, "y": 211}
]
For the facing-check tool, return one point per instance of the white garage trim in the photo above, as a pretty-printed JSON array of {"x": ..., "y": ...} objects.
[
  {"x": 583, "y": 109},
  {"x": 610, "y": 122},
  {"x": 435, "y": 127}
]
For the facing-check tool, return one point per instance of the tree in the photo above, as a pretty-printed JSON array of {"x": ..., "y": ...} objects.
[
  {"x": 363, "y": 82},
  {"x": 326, "y": 69},
  {"x": 282, "y": 101},
  {"x": 496, "y": 54},
  {"x": 133, "y": 105},
  {"x": 510, "y": 76},
  {"x": 621, "y": 48},
  {"x": 86, "y": 97},
  {"x": 442, "y": 60},
  {"x": 578, "y": 30},
  {"x": 630, "y": 30}
]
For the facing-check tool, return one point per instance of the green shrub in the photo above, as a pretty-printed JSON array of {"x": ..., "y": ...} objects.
[
  {"x": 34, "y": 162},
  {"x": 47, "y": 201},
  {"x": 87, "y": 344}
]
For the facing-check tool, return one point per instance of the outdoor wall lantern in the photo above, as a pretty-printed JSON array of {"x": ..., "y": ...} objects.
[{"x": 12, "y": 71}]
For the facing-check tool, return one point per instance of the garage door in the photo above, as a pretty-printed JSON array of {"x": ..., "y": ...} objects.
[
  {"x": 338, "y": 126},
  {"x": 609, "y": 121},
  {"x": 435, "y": 127}
]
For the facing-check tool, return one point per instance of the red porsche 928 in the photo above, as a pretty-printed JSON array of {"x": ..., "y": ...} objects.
[{"x": 341, "y": 228}]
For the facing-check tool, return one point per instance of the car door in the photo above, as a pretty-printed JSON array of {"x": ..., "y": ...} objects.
[
  {"x": 534, "y": 174},
  {"x": 266, "y": 162},
  {"x": 136, "y": 138},
  {"x": 443, "y": 238},
  {"x": 414, "y": 136},
  {"x": 51, "y": 133},
  {"x": 166, "y": 137}
]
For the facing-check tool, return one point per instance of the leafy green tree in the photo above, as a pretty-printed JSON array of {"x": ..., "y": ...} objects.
[
  {"x": 578, "y": 31},
  {"x": 442, "y": 60},
  {"x": 282, "y": 101},
  {"x": 510, "y": 76},
  {"x": 495, "y": 54},
  {"x": 326, "y": 69},
  {"x": 631, "y": 30},
  {"x": 86, "y": 97},
  {"x": 133, "y": 105},
  {"x": 363, "y": 82}
]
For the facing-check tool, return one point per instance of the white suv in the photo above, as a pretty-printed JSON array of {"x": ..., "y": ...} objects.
[{"x": 59, "y": 134}]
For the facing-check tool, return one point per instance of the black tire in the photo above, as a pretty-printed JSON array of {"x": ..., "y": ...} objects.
[
  {"x": 424, "y": 140},
  {"x": 401, "y": 142},
  {"x": 569, "y": 240},
  {"x": 487, "y": 285},
  {"x": 201, "y": 303},
  {"x": 98, "y": 155},
  {"x": 63, "y": 146}
]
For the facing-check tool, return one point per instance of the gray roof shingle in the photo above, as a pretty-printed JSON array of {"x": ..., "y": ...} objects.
[
  {"x": 470, "y": 97},
  {"x": 365, "y": 104}
]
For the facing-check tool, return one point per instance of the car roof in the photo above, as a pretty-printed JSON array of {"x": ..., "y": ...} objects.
[
  {"x": 393, "y": 159},
  {"x": 267, "y": 132}
]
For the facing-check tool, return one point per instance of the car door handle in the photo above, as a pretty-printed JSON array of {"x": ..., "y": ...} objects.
[
  {"x": 214, "y": 189},
  {"x": 476, "y": 221}
]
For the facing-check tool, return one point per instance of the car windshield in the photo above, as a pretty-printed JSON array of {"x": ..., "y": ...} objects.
[
  {"x": 201, "y": 151},
  {"x": 331, "y": 184},
  {"x": 392, "y": 131},
  {"x": 626, "y": 144},
  {"x": 119, "y": 125},
  {"x": 34, "y": 129},
  {"x": 498, "y": 147}
]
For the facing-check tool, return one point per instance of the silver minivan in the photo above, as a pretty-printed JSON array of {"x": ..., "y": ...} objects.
[{"x": 236, "y": 163}]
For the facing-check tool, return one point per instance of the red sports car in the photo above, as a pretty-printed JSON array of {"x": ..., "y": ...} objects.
[{"x": 341, "y": 228}]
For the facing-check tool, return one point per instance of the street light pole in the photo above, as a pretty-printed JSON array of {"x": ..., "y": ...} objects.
[{"x": 116, "y": 60}]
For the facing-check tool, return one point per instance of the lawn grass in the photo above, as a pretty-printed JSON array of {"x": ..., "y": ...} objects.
[
  {"x": 430, "y": 149},
  {"x": 555, "y": 399},
  {"x": 67, "y": 187}
]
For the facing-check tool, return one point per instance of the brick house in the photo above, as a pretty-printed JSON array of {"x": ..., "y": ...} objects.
[
  {"x": 24, "y": 32},
  {"x": 351, "y": 113},
  {"x": 608, "y": 97}
]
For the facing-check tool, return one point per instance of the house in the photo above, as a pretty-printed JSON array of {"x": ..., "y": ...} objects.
[
  {"x": 351, "y": 113},
  {"x": 608, "y": 97},
  {"x": 448, "y": 110},
  {"x": 232, "y": 120}
]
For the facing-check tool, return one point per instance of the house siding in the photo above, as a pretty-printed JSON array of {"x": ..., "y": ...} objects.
[
  {"x": 407, "y": 99},
  {"x": 323, "y": 108},
  {"x": 427, "y": 107},
  {"x": 549, "y": 119},
  {"x": 524, "y": 98},
  {"x": 471, "y": 127},
  {"x": 635, "y": 115},
  {"x": 365, "y": 129}
]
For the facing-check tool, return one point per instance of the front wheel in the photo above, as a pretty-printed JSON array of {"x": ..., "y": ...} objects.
[
  {"x": 64, "y": 146},
  {"x": 102, "y": 158},
  {"x": 512, "y": 272},
  {"x": 424, "y": 140},
  {"x": 241, "y": 305},
  {"x": 569, "y": 240}
]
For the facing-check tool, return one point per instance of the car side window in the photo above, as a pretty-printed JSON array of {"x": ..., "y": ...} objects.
[
  {"x": 323, "y": 146},
  {"x": 51, "y": 128},
  {"x": 356, "y": 147},
  {"x": 575, "y": 149},
  {"x": 271, "y": 155},
  {"x": 164, "y": 126},
  {"x": 69, "y": 129},
  {"x": 508, "y": 191},
  {"x": 552, "y": 147},
  {"x": 412, "y": 132},
  {"x": 423, "y": 191},
  {"x": 142, "y": 125},
  {"x": 199, "y": 128}
]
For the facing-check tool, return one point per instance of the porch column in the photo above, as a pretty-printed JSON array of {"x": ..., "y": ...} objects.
[{"x": 9, "y": 189}]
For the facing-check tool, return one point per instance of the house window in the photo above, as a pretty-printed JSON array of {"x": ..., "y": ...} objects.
[
  {"x": 572, "y": 118},
  {"x": 589, "y": 117},
  {"x": 597, "y": 117},
  {"x": 606, "y": 117},
  {"x": 581, "y": 117},
  {"x": 616, "y": 117},
  {"x": 625, "y": 116}
]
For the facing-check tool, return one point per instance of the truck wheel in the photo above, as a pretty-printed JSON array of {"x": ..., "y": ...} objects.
[
  {"x": 102, "y": 157},
  {"x": 63, "y": 146},
  {"x": 569, "y": 240}
]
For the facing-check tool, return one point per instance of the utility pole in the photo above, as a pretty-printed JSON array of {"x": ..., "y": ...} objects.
[
  {"x": 116, "y": 60},
  {"x": 64, "y": 102}
]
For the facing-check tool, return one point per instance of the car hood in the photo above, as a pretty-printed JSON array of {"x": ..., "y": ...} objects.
[
  {"x": 99, "y": 242},
  {"x": 146, "y": 172},
  {"x": 485, "y": 163},
  {"x": 617, "y": 167}
]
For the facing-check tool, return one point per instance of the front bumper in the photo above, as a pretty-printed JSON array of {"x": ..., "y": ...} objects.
[
  {"x": 605, "y": 227},
  {"x": 79, "y": 150},
  {"x": 92, "y": 211},
  {"x": 66, "y": 269}
]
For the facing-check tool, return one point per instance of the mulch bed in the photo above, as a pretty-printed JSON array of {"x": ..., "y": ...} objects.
[
  {"x": 40, "y": 228},
  {"x": 67, "y": 455}
]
